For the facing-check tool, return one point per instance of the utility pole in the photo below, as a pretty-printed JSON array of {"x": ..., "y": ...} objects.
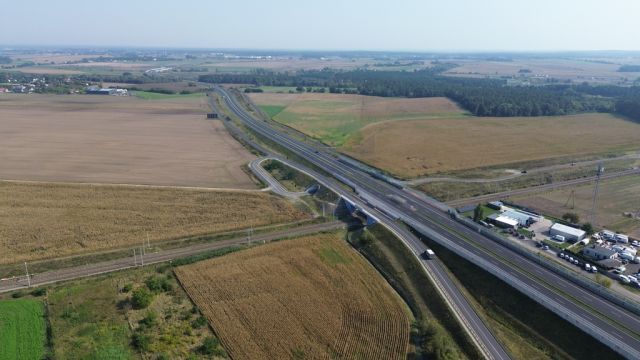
[
  {"x": 142, "y": 256},
  {"x": 148, "y": 242},
  {"x": 27, "y": 271},
  {"x": 135, "y": 262},
  {"x": 594, "y": 206}
]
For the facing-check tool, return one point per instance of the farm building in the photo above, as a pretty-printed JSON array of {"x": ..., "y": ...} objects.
[
  {"x": 569, "y": 233},
  {"x": 599, "y": 253},
  {"x": 503, "y": 221}
]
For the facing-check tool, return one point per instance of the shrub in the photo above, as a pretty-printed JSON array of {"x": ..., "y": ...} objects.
[
  {"x": 39, "y": 292},
  {"x": 141, "y": 298},
  {"x": 199, "y": 322},
  {"x": 210, "y": 346},
  {"x": 158, "y": 284},
  {"x": 141, "y": 341},
  {"x": 149, "y": 320},
  {"x": 17, "y": 294},
  {"x": 128, "y": 287}
]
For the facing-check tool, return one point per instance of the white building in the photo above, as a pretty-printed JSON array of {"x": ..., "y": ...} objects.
[
  {"x": 599, "y": 253},
  {"x": 569, "y": 233}
]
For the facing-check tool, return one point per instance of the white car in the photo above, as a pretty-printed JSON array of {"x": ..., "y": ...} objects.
[
  {"x": 594, "y": 269},
  {"x": 625, "y": 279},
  {"x": 562, "y": 255},
  {"x": 576, "y": 262},
  {"x": 587, "y": 267}
]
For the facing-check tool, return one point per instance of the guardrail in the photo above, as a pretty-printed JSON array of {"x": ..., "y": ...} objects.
[{"x": 587, "y": 283}]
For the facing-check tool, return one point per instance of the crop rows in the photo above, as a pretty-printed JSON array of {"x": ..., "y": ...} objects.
[{"x": 288, "y": 300}]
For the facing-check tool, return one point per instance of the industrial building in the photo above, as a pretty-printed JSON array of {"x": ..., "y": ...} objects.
[
  {"x": 569, "y": 233},
  {"x": 93, "y": 90},
  {"x": 503, "y": 221},
  {"x": 524, "y": 218},
  {"x": 599, "y": 253}
]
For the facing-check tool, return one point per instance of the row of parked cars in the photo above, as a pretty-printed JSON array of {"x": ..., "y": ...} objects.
[{"x": 575, "y": 261}]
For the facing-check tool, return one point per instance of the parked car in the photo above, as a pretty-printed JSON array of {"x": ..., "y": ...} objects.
[
  {"x": 587, "y": 267},
  {"x": 576, "y": 262},
  {"x": 561, "y": 255},
  {"x": 546, "y": 247},
  {"x": 594, "y": 269},
  {"x": 624, "y": 279}
]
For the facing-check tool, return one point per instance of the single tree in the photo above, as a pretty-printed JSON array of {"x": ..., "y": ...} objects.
[
  {"x": 588, "y": 228},
  {"x": 571, "y": 217},
  {"x": 478, "y": 213}
]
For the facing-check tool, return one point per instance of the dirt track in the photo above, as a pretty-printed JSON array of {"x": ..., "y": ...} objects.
[{"x": 105, "y": 139}]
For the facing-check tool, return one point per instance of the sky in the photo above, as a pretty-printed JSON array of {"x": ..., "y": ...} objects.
[{"x": 411, "y": 25}]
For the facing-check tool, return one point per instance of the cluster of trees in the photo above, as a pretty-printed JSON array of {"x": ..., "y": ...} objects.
[
  {"x": 481, "y": 97},
  {"x": 629, "y": 68},
  {"x": 629, "y": 107}
]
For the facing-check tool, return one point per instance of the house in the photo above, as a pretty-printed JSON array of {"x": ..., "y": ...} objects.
[
  {"x": 599, "y": 252},
  {"x": 569, "y": 233}
]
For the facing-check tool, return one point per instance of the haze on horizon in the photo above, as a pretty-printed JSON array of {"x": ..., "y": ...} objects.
[{"x": 412, "y": 25}]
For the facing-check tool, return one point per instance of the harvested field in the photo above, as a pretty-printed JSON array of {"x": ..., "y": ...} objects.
[
  {"x": 577, "y": 70},
  {"x": 51, "y": 220},
  {"x": 310, "y": 298},
  {"x": 109, "y": 139},
  {"x": 616, "y": 196},
  {"x": 47, "y": 70},
  {"x": 425, "y": 147},
  {"x": 336, "y": 119}
]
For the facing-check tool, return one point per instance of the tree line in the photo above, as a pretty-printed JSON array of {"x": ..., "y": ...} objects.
[{"x": 481, "y": 97}]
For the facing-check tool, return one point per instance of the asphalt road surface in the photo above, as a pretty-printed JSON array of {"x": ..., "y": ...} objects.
[{"x": 611, "y": 324}]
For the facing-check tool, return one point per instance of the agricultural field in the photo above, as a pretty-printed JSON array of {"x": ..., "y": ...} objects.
[
  {"x": 337, "y": 119},
  {"x": 616, "y": 197},
  {"x": 576, "y": 70},
  {"x": 427, "y": 147},
  {"x": 175, "y": 86},
  {"x": 98, "y": 318},
  {"x": 312, "y": 297},
  {"x": 22, "y": 330},
  {"x": 44, "y": 220},
  {"x": 113, "y": 139},
  {"x": 432, "y": 135}
]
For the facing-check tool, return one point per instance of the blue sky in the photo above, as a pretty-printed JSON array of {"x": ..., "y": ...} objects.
[{"x": 443, "y": 25}]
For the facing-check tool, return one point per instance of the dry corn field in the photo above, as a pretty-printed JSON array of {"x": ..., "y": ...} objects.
[
  {"x": 50, "y": 220},
  {"x": 308, "y": 298}
]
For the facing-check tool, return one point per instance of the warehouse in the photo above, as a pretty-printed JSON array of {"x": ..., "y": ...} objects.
[
  {"x": 503, "y": 221},
  {"x": 569, "y": 233}
]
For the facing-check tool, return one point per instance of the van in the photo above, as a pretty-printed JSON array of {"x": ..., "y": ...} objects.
[
  {"x": 633, "y": 279},
  {"x": 559, "y": 238}
]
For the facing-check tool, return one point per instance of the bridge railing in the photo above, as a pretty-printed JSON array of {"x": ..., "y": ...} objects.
[{"x": 583, "y": 281}]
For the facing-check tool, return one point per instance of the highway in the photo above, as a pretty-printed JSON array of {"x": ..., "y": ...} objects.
[{"x": 611, "y": 324}]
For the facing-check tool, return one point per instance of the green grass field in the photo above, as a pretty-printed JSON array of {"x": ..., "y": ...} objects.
[
  {"x": 22, "y": 330},
  {"x": 147, "y": 95},
  {"x": 337, "y": 118},
  {"x": 272, "y": 110}
]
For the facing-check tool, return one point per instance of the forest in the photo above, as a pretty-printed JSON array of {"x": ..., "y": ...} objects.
[{"x": 481, "y": 97}]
